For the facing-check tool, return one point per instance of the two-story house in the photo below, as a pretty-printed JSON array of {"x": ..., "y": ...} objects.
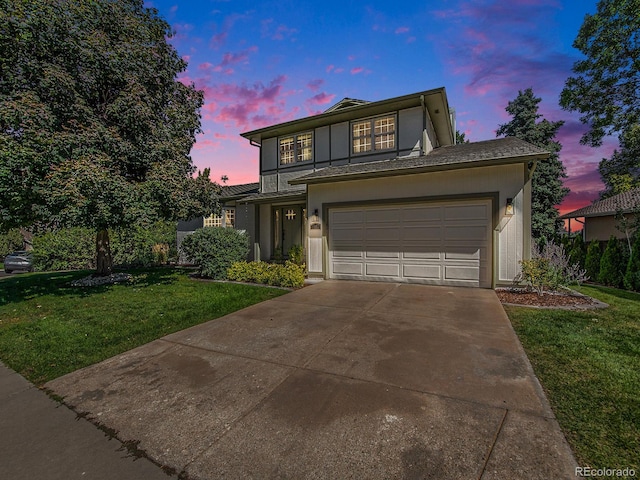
[{"x": 380, "y": 191}]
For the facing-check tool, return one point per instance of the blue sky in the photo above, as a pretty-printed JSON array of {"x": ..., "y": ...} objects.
[{"x": 261, "y": 63}]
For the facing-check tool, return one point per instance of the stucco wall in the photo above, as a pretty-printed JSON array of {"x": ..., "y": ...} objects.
[
  {"x": 508, "y": 181},
  {"x": 601, "y": 228}
]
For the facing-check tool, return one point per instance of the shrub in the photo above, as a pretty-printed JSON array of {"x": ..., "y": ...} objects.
[
  {"x": 215, "y": 249},
  {"x": 296, "y": 255},
  {"x": 632, "y": 276},
  {"x": 134, "y": 246},
  {"x": 10, "y": 241},
  {"x": 287, "y": 275},
  {"x": 612, "y": 264},
  {"x": 578, "y": 251},
  {"x": 548, "y": 269},
  {"x": 592, "y": 260},
  {"x": 66, "y": 249}
]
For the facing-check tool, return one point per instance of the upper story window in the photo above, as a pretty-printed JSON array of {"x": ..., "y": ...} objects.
[
  {"x": 373, "y": 134},
  {"x": 296, "y": 148}
]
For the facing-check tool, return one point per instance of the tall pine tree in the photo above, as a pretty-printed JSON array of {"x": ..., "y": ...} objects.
[{"x": 547, "y": 188}]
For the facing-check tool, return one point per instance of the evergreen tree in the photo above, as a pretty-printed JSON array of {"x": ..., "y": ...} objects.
[
  {"x": 547, "y": 188},
  {"x": 592, "y": 261},
  {"x": 577, "y": 253},
  {"x": 632, "y": 276},
  {"x": 612, "y": 264}
]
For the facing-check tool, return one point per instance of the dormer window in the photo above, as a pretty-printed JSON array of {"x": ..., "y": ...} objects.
[
  {"x": 296, "y": 148},
  {"x": 373, "y": 134}
]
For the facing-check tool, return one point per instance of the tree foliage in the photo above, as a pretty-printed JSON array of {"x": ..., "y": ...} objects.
[
  {"x": 592, "y": 260},
  {"x": 605, "y": 88},
  {"x": 621, "y": 172},
  {"x": 95, "y": 129},
  {"x": 612, "y": 264},
  {"x": 547, "y": 188}
]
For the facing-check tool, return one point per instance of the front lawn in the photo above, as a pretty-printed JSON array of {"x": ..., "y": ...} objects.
[
  {"x": 589, "y": 365},
  {"x": 48, "y": 328}
]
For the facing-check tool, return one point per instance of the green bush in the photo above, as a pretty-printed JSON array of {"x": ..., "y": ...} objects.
[
  {"x": 215, "y": 249},
  {"x": 632, "y": 276},
  {"x": 578, "y": 251},
  {"x": 592, "y": 260},
  {"x": 287, "y": 275},
  {"x": 296, "y": 255},
  {"x": 10, "y": 242},
  {"x": 612, "y": 264},
  {"x": 66, "y": 249},
  {"x": 134, "y": 246}
]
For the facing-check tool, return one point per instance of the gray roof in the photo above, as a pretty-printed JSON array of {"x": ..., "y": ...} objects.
[
  {"x": 624, "y": 202},
  {"x": 275, "y": 196},
  {"x": 465, "y": 155},
  {"x": 233, "y": 191}
]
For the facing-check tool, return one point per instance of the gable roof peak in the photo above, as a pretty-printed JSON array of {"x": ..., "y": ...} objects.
[{"x": 346, "y": 102}]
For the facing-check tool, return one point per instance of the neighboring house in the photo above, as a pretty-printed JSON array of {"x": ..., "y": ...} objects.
[
  {"x": 379, "y": 191},
  {"x": 227, "y": 217},
  {"x": 611, "y": 216}
]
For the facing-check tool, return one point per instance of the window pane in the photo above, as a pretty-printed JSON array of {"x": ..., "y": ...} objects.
[
  {"x": 385, "y": 141},
  {"x": 384, "y": 125},
  {"x": 230, "y": 216},
  {"x": 287, "y": 150},
  {"x": 304, "y": 142},
  {"x": 361, "y": 129},
  {"x": 361, "y": 144}
]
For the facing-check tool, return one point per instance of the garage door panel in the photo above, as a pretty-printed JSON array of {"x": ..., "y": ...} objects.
[
  {"x": 462, "y": 253},
  {"x": 381, "y": 254},
  {"x": 383, "y": 269},
  {"x": 383, "y": 215},
  {"x": 455, "y": 272},
  {"x": 387, "y": 234},
  {"x": 442, "y": 244},
  {"x": 433, "y": 272},
  {"x": 422, "y": 233},
  {"x": 465, "y": 212},
  {"x": 348, "y": 268},
  {"x": 465, "y": 232},
  {"x": 422, "y": 214},
  {"x": 346, "y": 217}
]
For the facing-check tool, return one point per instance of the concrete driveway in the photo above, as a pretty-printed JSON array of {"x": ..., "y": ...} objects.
[{"x": 337, "y": 380}]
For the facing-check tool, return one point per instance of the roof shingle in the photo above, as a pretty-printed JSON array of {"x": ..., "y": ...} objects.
[
  {"x": 453, "y": 156},
  {"x": 624, "y": 202}
]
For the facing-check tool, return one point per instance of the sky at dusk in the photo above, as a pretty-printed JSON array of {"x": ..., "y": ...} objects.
[{"x": 261, "y": 63}]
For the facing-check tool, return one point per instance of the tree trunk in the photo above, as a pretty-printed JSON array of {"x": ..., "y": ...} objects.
[{"x": 104, "y": 260}]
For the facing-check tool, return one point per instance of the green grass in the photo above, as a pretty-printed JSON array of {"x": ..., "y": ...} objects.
[
  {"x": 48, "y": 328},
  {"x": 589, "y": 365}
]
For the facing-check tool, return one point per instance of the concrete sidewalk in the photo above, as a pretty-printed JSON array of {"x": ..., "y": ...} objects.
[
  {"x": 336, "y": 380},
  {"x": 41, "y": 439}
]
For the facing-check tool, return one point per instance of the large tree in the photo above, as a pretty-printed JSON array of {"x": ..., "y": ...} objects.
[
  {"x": 95, "y": 129},
  {"x": 606, "y": 87},
  {"x": 546, "y": 184}
]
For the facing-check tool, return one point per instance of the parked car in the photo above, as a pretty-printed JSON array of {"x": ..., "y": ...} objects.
[{"x": 19, "y": 260}]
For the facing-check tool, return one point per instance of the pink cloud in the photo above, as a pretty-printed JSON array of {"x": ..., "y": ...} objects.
[
  {"x": 329, "y": 68},
  {"x": 205, "y": 66},
  {"x": 411, "y": 39},
  {"x": 321, "y": 99},
  {"x": 357, "y": 70},
  {"x": 314, "y": 85},
  {"x": 281, "y": 32},
  {"x": 401, "y": 30},
  {"x": 351, "y": 58}
]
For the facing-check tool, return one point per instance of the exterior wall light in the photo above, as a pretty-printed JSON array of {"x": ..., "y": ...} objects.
[{"x": 509, "y": 210}]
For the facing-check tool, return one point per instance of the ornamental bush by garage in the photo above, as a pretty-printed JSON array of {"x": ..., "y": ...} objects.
[{"x": 215, "y": 249}]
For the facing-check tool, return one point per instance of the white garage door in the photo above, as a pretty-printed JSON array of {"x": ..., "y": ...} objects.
[{"x": 433, "y": 243}]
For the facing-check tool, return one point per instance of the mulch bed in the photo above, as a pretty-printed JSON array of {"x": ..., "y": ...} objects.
[{"x": 565, "y": 300}]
